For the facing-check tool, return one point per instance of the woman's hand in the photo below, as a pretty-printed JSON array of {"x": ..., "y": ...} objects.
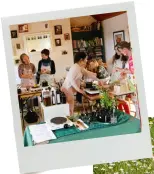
[
  {"x": 48, "y": 72},
  {"x": 31, "y": 76},
  {"x": 82, "y": 92},
  {"x": 43, "y": 72},
  {"x": 100, "y": 83},
  {"x": 119, "y": 69},
  {"x": 123, "y": 74}
]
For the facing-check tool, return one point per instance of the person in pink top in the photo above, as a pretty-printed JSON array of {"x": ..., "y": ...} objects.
[
  {"x": 72, "y": 83},
  {"x": 125, "y": 48}
]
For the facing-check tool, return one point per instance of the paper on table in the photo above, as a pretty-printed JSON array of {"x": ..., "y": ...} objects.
[
  {"x": 41, "y": 133},
  {"x": 79, "y": 126}
]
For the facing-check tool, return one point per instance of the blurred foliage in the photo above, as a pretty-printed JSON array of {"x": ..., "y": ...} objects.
[{"x": 141, "y": 166}]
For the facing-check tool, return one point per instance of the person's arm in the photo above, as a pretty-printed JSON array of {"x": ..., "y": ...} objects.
[
  {"x": 53, "y": 69},
  {"x": 74, "y": 83},
  {"x": 89, "y": 74},
  {"x": 20, "y": 72},
  {"x": 92, "y": 75},
  {"x": 73, "y": 76},
  {"x": 39, "y": 67},
  {"x": 33, "y": 69}
]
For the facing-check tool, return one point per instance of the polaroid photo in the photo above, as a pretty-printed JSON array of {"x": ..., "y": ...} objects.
[{"x": 75, "y": 117}]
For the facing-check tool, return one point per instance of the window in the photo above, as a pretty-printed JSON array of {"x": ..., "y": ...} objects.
[{"x": 38, "y": 42}]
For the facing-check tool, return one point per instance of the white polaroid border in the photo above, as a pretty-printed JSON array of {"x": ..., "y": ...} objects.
[{"x": 83, "y": 152}]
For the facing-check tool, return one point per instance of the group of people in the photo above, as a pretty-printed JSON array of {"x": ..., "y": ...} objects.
[
  {"x": 27, "y": 70},
  {"x": 83, "y": 68},
  {"x": 122, "y": 68}
]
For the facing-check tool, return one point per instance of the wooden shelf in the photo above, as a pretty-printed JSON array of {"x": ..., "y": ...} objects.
[{"x": 86, "y": 35}]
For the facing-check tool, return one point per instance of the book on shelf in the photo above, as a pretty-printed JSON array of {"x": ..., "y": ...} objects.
[
  {"x": 93, "y": 27},
  {"x": 88, "y": 43}
]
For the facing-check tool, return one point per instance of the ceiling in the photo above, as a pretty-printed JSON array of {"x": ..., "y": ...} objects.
[
  {"x": 82, "y": 21},
  {"x": 102, "y": 17},
  {"x": 88, "y": 20}
]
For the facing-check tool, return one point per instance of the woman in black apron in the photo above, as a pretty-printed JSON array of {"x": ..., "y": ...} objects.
[{"x": 46, "y": 68}]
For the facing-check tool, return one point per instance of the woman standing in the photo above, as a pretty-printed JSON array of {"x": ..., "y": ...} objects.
[
  {"x": 26, "y": 71},
  {"x": 72, "y": 83},
  {"x": 46, "y": 68},
  {"x": 126, "y": 50},
  {"x": 119, "y": 62}
]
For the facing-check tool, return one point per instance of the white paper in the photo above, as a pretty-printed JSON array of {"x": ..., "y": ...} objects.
[
  {"x": 41, "y": 133},
  {"x": 80, "y": 127}
]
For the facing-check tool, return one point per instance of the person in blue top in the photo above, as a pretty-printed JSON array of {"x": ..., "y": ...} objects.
[{"x": 46, "y": 68}]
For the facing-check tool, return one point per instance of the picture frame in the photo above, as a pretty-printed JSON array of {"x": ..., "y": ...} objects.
[
  {"x": 57, "y": 42},
  {"x": 58, "y": 29},
  {"x": 23, "y": 28},
  {"x": 14, "y": 34},
  {"x": 38, "y": 158},
  {"x": 46, "y": 25},
  {"x": 18, "y": 46},
  {"x": 118, "y": 36},
  {"x": 67, "y": 36}
]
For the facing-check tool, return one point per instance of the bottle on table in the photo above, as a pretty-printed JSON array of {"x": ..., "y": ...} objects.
[
  {"x": 53, "y": 98},
  {"x": 46, "y": 97},
  {"x": 113, "y": 117},
  {"x": 63, "y": 98},
  {"x": 58, "y": 99}
]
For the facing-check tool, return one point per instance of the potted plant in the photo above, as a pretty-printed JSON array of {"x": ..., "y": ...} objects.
[{"x": 108, "y": 105}]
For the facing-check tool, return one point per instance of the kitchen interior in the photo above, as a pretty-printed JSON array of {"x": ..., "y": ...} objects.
[{"x": 44, "y": 102}]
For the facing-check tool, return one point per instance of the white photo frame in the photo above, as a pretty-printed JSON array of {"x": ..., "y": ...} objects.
[{"x": 83, "y": 152}]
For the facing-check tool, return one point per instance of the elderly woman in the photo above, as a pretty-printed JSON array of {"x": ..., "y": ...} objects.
[
  {"x": 26, "y": 71},
  {"x": 72, "y": 83}
]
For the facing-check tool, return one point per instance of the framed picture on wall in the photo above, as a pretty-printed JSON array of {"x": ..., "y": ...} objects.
[
  {"x": 23, "y": 28},
  {"x": 58, "y": 29},
  {"x": 58, "y": 42},
  {"x": 14, "y": 34},
  {"x": 118, "y": 36},
  {"x": 67, "y": 36},
  {"x": 18, "y": 46},
  {"x": 46, "y": 26}
]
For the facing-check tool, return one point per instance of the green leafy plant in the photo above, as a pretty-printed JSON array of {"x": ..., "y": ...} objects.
[{"x": 107, "y": 101}]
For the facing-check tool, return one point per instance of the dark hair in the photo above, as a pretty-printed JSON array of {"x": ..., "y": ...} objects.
[
  {"x": 88, "y": 65},
  {"x": 124, "y": 58},
  {"x": 116, "y": 56},
  {"x": 45, "y": 51},
  {"x": 21, "y": 57},
  {"x": 124, "y": 44},
  {"x": 79, "y": 56}
]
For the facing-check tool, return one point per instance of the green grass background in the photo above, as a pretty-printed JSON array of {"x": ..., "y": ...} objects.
[{"x": 141, "y": 166}]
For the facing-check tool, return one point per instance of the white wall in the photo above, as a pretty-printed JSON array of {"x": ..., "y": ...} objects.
[
  {"x": 61, "y": 61},
  {"x": 111, "y": 25}
]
